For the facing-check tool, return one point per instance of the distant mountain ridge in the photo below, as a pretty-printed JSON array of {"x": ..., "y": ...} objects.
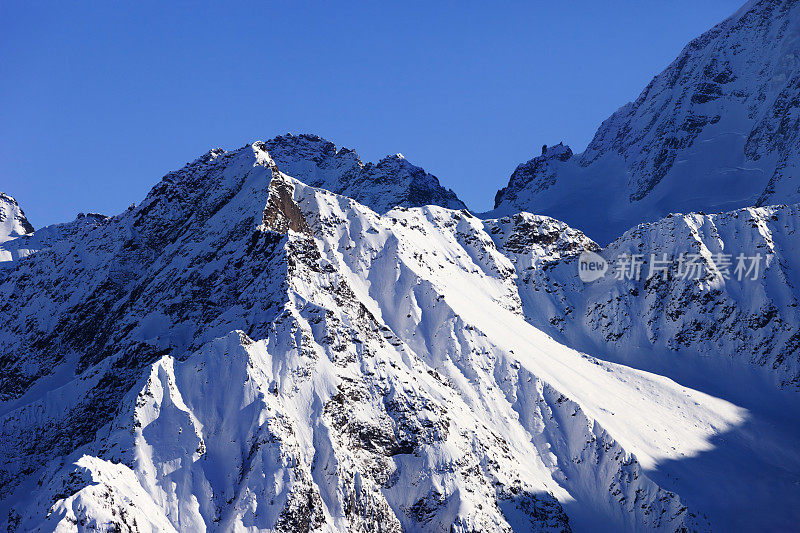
[{"x": 718, "y": 129}]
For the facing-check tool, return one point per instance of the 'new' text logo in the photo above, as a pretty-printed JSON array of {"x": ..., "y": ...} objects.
[{"x": 591, "y": 266}]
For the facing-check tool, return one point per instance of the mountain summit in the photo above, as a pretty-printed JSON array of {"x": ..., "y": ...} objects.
[
  {"x": 718, "y": 129},
  {"x": 242, "y": 350},
  {"x": 392, "y": 182}
]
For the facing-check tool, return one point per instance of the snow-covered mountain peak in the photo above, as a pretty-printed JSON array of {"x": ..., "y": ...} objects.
[
  {"x": 718, "y": 129},
  {"x": 390, "y": 371},
  {"x": 238, "y": 321},
  {"x": 292, "y": 149},
  {"x": 13, "y": 222},
  {"x": 284, "y": 338},
  {"x": 393, "y": 181}
]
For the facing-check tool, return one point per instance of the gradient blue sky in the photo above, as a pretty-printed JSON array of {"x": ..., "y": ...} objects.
[{"x": 99, "y": 100}]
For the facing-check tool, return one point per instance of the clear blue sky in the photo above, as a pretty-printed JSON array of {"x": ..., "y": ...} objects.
[{"x": 99, "y": 100}]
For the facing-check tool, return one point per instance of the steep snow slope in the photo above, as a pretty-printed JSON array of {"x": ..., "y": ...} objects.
[
  {"x": 393, "y": 181},
  {"x": 717, "y": 130},
  {"x": 243, "y": 351},
  {"x": 12, "y": 220},
  {"x": 734, "y": 339}
]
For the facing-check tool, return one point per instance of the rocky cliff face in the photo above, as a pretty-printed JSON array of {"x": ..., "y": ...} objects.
[{"x": 717, "y": 130}]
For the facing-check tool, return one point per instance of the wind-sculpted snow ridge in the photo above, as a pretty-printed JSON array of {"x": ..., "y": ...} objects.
[
  {"x": 244, "y": 351},
  {"x": 392, "y": 182},
  {"x": 13, "y": 222},
  {"x": 717, "y": 130}
]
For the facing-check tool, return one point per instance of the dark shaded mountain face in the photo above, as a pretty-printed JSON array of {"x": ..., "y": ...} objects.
[{"x": 719, "y": 129}]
